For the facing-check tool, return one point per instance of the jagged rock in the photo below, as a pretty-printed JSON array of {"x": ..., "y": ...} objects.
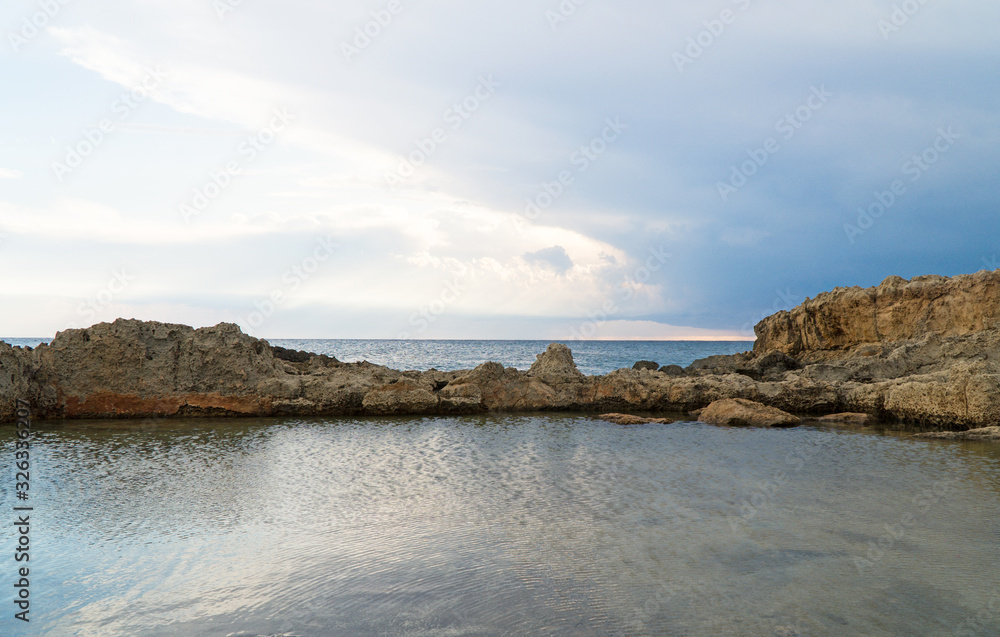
[
  {"x": 556, "y": 363},
  {"x": 896, "y": 310},
  {"x": 293, "y": 356},
  {"x": 646, "y": 365},
  {"x": 746, "y": 413},
  {"x": 940, "y": 367}
]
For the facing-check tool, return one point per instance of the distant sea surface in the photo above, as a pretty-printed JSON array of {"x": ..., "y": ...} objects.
[{"x": 592, "y": 357}]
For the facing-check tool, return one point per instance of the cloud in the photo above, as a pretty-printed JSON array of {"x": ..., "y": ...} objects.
[
  {"x": 554, "y": 257},
  {"x": 653, "y": 191}
]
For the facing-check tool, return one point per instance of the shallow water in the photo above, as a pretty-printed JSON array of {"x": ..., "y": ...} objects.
[{"x": 515, "y": 525}]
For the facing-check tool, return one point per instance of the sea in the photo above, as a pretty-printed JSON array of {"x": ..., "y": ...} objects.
[
  {"x": 498, "y": 524},
  {"x": 591, "y": 357}
]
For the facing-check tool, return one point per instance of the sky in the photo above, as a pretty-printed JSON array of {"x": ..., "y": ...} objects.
[{"x": 531, "y": 169}]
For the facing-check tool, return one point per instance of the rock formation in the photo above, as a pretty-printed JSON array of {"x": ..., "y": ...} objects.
[
  {"x": 739, "y": 412},
  {"x": 896, "y": 310},
  {"x": 925, "y": 351}
]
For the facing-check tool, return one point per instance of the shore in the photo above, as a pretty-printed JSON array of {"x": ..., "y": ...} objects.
[{"x": 924, "y": 352}]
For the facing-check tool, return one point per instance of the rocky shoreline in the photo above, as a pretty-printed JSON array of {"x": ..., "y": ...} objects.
[{"x": 924, "y": 352}]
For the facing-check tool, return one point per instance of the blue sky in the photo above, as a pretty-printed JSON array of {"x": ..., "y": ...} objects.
[{"x": 440, "y": 169}]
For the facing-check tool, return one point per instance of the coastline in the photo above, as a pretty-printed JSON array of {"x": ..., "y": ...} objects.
[{"x": 831, "y": 355}]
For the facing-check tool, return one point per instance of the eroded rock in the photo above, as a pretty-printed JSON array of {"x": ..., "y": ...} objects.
[{"x": 842, "y": 352}]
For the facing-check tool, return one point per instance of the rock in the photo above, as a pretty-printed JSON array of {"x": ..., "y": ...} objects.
[
  {"x": 295, "y": 356},
  {"x": 983, "y": 433},
  {"x": 629, "y": 419},
  {"x": 842, "y": 352},
  {"x": 720, "y": 364},
  {"x": 404, "y": 397},
  {"x": 646, "y": 365},
  {"x": 847, "y": 418},
  {"x": 772, "y": 364},
  {"x": 743, "y": 413},
  {"x": 555, "y": 363},
  {"x": 896, "y": 310}
]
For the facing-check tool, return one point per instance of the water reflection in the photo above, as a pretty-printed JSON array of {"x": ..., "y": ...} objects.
[{"x": 503, "y": 525}]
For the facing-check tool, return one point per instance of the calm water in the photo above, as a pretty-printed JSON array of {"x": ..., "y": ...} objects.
[
  {"x": 592, "y": 357},
  {"x": 527, "y": 525}
]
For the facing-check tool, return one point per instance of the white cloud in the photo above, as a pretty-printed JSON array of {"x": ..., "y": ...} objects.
[{"x": 9, "y": 173}]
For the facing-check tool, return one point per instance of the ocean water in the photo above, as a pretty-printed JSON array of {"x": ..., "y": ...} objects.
[
  {"x": 502, "y": 525},
  {"x": 591, "y": 357}
]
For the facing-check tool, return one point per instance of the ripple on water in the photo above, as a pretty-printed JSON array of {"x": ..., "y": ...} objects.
[{"x": 506, "y": 525}]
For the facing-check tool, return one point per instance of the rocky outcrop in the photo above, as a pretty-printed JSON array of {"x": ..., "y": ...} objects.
[
  {"x": 896, "y": 310},
  {"x": 738, "y": 412},
  {"x": 940, "y": 369}
]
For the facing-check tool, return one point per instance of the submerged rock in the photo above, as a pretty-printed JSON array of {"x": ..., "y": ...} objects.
[
  {"x": 629, "y": 419},
  {"x": 853, "y": 419},
  {"x": 984, "y": 433}
]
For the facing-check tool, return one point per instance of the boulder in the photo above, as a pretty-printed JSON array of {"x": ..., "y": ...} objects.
[
  {"x": 646, "y": 365},
  {"x": 744, "y": 413},
  {"x": 672, "y": 370}
]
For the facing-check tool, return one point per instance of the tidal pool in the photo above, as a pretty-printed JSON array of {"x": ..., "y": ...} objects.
[{"x": 503, "y": 525}]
